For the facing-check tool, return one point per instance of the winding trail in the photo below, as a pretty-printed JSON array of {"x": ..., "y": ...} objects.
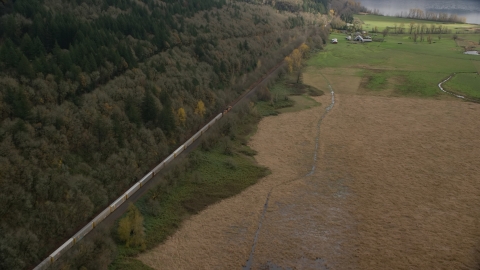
[
  {"x": 453, "y": 94},
  {"x": 249, "y": 263},
  {"x": 446, "y": 80}
]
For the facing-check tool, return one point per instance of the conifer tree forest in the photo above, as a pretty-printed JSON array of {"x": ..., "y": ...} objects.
[{"x": 94, "y": 93}]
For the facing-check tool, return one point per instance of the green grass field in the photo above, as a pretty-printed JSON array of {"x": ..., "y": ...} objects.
[
  {"x": 465, "y": 83},
  {"x": 415, "y": 67},
  {"x": 288, "y": 96},
  {"x": 381, "y": 22}
]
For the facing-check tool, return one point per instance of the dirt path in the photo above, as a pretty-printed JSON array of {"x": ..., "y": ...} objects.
[{"x": 396, "y": 187}]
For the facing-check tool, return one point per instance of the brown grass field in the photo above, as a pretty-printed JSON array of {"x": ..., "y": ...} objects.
[{"x": 396, "y": 187}]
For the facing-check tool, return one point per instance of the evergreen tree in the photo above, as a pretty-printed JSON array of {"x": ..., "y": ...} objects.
[
  {"x": 167, "y": 117},
  {"x": 9, "y": 53},
  {"x": 149, "y": 108},
  {"x": 12, "y": 29},
  {"x": 24, "y": 68},
  {"x": 91, "y": 64},
  {"x": 27, "y": 46},
  {"x": 38, "y": 49}
]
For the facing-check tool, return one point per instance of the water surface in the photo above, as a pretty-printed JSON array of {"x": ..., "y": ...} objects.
[{"x": 469, "y": 9}]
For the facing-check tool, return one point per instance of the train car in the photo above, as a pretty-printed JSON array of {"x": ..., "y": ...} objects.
[
  {"x": 101, "y": 217},
  {"x": 145, "y": 179},
  {"x": 197, "y": 135},
  {"x": 44, "y": 264},
  {"x": 84, "y": 231},
  {"x": 117, "y": 203},
  {"x": 169, "y": 159},
  {"x": 179, "y": 150},
  {"x": 158, "y": 168},
  {"x": 189, "y": 142},
  {"x": 59, "y": 252},
  {"x": 204, "y": 129},
  {"x": 132, "y": 190},
  {"x": 227, "y": 110},
  {"x": 211, "y": 123}
]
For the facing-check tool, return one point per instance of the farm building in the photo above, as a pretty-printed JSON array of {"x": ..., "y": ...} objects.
[{"x": 362, "y": 39}]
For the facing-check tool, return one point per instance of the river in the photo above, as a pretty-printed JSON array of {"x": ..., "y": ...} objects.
[{"x": 464, "y": 8}]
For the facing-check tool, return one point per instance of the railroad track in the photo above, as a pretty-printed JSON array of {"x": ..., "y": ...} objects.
[{"x": 119, "y": 206}]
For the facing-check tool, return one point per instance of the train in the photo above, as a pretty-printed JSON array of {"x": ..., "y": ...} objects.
[{"x": 124, "y": 197}]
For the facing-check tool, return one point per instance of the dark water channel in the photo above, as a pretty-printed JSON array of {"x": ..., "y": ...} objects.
[{"x": 469, "y": 9}]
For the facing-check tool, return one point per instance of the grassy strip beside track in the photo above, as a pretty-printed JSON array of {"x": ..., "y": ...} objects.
[
  {"x": 286, "y": 95},
  {"x": 222, "y": 167}
]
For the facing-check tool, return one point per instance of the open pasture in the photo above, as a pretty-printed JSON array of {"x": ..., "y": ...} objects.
[
  {"x": 381, "y": 22},
  {"x": 398, "y": 64}
]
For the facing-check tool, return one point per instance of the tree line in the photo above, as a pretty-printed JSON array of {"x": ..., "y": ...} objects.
[{"x": 419, "y": 14}]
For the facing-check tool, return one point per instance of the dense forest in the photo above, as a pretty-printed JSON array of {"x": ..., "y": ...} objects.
[{"x": 93, "y": 93}]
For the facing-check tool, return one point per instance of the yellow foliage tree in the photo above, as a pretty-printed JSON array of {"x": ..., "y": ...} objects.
[
  {"x": 200, "y": 109},
  {"x": 130, "y": 228},
  {"x": 259, "y": 63},
  {"x": 304, "y": 49},
  {"x": 289, "y": 61},
  {"x": 182, "y": 116},
  {"x": 332, "y": 12},
  {"x": 297, "y": 58}
]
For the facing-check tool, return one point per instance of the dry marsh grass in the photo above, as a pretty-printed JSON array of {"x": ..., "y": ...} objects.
[{"x": 386, "y": 194}]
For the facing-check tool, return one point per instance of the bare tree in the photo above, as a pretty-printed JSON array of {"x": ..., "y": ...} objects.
[
  {"x": 412, "y": 26},
  {"x": 385, "y": 32},
  {"x": 402, "y": 27}
]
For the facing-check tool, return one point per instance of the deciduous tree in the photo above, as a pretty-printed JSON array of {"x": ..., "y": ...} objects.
[
  {"x": 182, "y": 115},
  {"x": 297, "y": 58},
  {"x": 304, "y": 49},
  {"x": 289, "y": 61},
  {"x": 200, "y": 109},
  {"x": 130, "y": 228}
]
